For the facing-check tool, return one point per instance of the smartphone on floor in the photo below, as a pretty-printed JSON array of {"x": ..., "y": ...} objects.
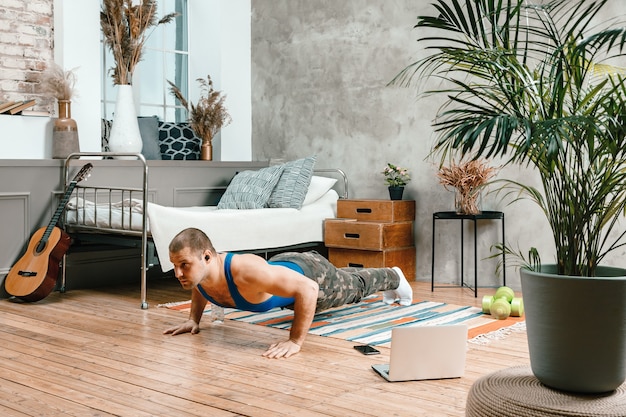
[{"x": 367, "y": 350}]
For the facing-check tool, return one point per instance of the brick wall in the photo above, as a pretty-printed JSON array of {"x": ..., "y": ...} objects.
[{"x": 26, "y": 45}]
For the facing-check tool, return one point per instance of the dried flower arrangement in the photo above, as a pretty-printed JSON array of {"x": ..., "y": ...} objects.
[
  {"x": 468, "y": 178},
  {"x": 57, "y": 82},
  {"x": 124, "y": 24},
  {"x": 396, "y": 176},
  {"x": 209, "y": 114}
]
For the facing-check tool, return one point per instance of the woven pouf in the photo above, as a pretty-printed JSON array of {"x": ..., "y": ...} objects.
[{"x": 517, "y": 392}]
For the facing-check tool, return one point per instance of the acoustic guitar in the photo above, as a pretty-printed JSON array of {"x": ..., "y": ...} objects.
[{"x": 33, "y": 277}]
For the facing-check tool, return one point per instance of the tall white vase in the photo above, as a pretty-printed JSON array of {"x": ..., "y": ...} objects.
[{"x": 125, "y": 135}]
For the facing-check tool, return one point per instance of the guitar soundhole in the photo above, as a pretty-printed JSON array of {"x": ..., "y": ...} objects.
[{"x": 40, "y": 246}]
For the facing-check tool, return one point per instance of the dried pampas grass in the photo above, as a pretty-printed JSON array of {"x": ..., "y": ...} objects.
[
  {"x": 58, "y": 83},
  {"x": 209, "y": 114},
  {"x": 124, "y": 24},
  {"x": 467, "y": 178}
]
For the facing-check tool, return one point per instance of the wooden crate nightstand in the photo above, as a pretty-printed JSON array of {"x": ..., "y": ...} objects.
[{"x": 372, "y": 234}]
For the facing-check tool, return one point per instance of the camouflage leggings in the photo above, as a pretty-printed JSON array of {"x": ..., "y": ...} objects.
[{"x": 339, "y": 286}]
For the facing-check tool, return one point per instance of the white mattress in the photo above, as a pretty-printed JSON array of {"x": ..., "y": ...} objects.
[
  {"x": 237, "y": 230},
  {"x": 122, "y": 215}
]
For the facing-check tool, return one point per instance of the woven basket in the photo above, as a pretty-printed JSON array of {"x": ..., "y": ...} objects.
[{"x": 516, "y": 392}]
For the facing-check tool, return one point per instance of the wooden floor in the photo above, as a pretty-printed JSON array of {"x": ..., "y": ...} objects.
[{"x": 96, "y": 353}]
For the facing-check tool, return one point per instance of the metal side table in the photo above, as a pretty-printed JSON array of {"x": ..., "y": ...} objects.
[{"x": 452, "y": 215}]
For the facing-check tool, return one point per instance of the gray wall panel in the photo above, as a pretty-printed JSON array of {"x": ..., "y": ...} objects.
[
  {"x": 30, "y": 192},
  {"x": 14, "y": 228}
]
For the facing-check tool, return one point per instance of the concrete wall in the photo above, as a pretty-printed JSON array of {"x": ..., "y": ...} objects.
[{"x": 320, "y": 71}]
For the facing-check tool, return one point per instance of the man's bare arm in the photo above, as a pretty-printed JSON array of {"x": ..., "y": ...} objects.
[
  {"x": 304, "y": 310},
  {"x": 198, "y": 303},
  {"x": 284, "y": 282},
  {"x": 255, "y": 277},
  {"x": 192, "y": 325}
]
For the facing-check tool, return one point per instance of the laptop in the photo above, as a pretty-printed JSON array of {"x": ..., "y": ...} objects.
[{"x": 425, "y": 352}]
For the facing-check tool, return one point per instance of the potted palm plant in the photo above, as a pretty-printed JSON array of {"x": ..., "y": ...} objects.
[{"x": 534, "y": 82}]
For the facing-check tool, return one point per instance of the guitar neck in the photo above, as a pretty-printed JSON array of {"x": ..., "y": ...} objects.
[
  {"x": 59, "y": 210},
  {"x": 82, "y": 174}
]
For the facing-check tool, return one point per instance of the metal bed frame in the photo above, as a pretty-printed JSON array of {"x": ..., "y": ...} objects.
[{"x": 109, "y": 195}]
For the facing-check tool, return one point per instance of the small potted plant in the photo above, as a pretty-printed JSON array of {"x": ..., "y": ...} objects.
[
  {"x": 396, "y": 178},
  {"x": 207, "y": 116}
]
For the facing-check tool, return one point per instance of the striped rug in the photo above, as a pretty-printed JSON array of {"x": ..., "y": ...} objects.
[{"x": 371, "y": 320}]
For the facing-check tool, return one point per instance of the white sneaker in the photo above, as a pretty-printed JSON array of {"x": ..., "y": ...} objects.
[{"x": 404, "y": 292}]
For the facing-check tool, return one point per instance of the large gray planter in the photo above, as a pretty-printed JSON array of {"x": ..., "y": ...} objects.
[{"x": 576, "y": 328}]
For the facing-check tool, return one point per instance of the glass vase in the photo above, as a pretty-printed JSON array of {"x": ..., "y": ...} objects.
[
  {"x": 467, "y": 202},
  {"x": 216, "y": 314}
]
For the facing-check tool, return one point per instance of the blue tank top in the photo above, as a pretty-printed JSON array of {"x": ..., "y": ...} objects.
[{"x": 243, "y": 304}]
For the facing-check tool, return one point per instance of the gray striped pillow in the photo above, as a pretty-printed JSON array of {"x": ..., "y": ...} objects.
[
  {"x": 293, "y": 184},
  {"x": 251, "y": 189}
]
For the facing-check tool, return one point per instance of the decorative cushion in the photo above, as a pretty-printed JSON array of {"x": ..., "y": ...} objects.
[
  {"x": 105, "y": 132},
  {"x": 293, "y": 184},
  {"x": 251, "y": 189},
  {"x": 178, "y": 141},
  {"x": 149, "y": 129},
  {"x": 319, "y": 187}
]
